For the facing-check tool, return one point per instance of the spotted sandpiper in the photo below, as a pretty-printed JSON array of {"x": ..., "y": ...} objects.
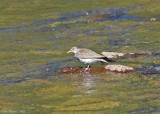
[{"x": 88, "y": 56}]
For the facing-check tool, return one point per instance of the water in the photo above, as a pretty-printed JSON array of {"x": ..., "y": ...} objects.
[{"x": 33, "y": 47}]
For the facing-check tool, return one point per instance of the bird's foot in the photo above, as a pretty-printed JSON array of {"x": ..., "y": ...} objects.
[{"x": 86, "y": 69}]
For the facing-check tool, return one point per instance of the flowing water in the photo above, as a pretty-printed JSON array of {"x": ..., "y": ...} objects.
[{"x": 35, "y": 36}]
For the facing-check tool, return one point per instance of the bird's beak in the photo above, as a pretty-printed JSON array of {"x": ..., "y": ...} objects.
[{"x": 69, "y": 51}]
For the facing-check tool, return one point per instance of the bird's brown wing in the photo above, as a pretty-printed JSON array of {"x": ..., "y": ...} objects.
[{"x": 87, "y": 54}]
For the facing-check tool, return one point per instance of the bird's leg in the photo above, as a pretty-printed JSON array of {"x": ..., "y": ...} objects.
[{"x": 87, "y": 68}]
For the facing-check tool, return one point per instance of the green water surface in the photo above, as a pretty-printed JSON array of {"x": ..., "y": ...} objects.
[{"x": 31, "y": 52}]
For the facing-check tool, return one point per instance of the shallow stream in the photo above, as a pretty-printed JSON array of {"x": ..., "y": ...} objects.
[{"x": 35, "y": 36}]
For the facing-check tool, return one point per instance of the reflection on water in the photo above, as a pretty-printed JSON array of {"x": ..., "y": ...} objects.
[
  {"x": 87, "y": 84},
  {"x": 88, "y": 81}
]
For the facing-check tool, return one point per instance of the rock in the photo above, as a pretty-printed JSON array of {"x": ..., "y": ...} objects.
[
  {"x": 112, "y": 54},
  {"x": 112, "y": 68},
  {"x": 73, "y": 70},
  {"x": 115, "y": 55},
  {"x": 119, "y": 68},
  {"x": 157, "y": 68}
]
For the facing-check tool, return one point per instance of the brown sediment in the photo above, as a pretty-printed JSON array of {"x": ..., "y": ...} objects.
[{"x": 72, "y": 70}]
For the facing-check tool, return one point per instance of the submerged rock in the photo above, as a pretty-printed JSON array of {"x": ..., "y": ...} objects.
[
  {"x": 135, "y": 55},
  {"x": 98, "y": 16}
]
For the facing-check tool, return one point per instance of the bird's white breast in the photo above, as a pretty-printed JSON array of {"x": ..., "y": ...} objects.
[{"x": 88, "y": 61}]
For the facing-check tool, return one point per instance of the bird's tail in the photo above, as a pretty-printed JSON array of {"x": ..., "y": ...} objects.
[{"x": 106, "y": 60}]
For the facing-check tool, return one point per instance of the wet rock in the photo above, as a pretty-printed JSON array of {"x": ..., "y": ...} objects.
[
  {"x": 69, "y": 70},
  {"x": 112, "y": 54},
  {"x": 118, "y": 55},
  {"x": 157, "y": 68},
  {"x": 108, "y": 68},
  {"x": 119, "y": 68},
  {"x": 73, "y": 70}
]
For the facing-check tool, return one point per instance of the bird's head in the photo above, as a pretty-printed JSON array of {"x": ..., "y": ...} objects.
[{"x": 73, "y": 50}]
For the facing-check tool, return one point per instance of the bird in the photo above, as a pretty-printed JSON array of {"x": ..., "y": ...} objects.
[{"x": 88, "y": 56}]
